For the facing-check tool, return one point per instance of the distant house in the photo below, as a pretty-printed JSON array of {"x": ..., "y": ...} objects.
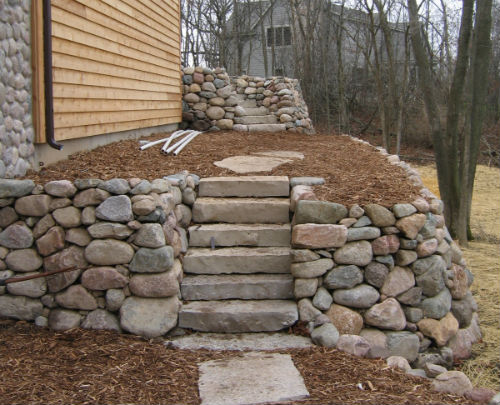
[
  {"x": 268, "y": 35},
  {"x": 80, "y": 73}
]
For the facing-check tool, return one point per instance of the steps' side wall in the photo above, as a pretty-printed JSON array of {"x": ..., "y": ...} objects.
[
  {"x": 392, "y": 275},
  {"x": 213, "y": 100},
  {"x": 124, "y": 237}
]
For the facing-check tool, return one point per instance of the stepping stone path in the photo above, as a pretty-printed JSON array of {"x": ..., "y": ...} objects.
[
  {"x": 258, "y": 161},
  {"x": 238, "y": 276},
  {"x": 253, "y": 378}
]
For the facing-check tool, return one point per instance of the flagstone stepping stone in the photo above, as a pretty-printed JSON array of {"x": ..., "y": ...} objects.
[
  {"x": 250, "y": 164},
  {"x": 253, "y": 378}
]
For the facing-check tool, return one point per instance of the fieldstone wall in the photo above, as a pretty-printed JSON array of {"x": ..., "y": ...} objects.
[
  {"x": 381, "y": 282},
  {"x": 16, "y": 130},
  {"x": 214, "y": 101},
  {"x": 123, "y": 236}
]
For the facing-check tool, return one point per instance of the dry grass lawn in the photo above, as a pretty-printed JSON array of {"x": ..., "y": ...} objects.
[{"x": 483, "y": 258}]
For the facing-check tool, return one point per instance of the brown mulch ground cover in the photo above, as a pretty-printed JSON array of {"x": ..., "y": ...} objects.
[
  {"x": 40, "y": 366},
  {"x": 354, "y": 173}
]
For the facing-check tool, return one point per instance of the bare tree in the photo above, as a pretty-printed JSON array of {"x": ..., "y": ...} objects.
[{"x": 457, "y": 152}]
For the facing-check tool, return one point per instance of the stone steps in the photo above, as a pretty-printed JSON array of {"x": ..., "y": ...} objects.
[
  {"x": 244, "y": 287},
  {"x": 237, "y": 260},
  {"x": 256, "y": 119},
  {"x": 238, "y": 316},
  {"x": 244, "y": 186},
  {"x": 241, "y": 210},
  {"x": 266, "y": 127},
  {"x": 255, "y": 111},
  {"x": 239, "y": 235}
]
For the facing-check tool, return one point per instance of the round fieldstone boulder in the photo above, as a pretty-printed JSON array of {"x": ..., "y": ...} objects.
[
  {"x": 311, "y": 269},
  {"x": 149, "y": 317},
  {"x": 343, "y": 277},
  {"x": 76, "y": 297},
  {"x": 403, "y": 210},
  {"x": 16, "y": 236},
  {"x": 345, "y": 319},
  {"x": 353, "y": 344},
  {"x": 101, "y": 319},
  {"x": 30, "y": 288},
  {"x": 375, "y": 274},
  {"x": 91, "y": 196},
  {"x": 215, "y": 113},
  {"x": 150, "y": 235},
  {"x": 157, "y": 285},
  {"x": 115, "y": 209},
  {"x": 307, "y": 311},
  {"x": 63, "y": 319},
  {"x": 404, "y": 344},
  {"x": 114, "y": 299},
  {"x": 305, "y": 287},
  {"x": 152, "y": 260},
  {"x": 109, "y": 252},
  {"x": 103, "y": 230},
  {"x": 319, "y": 212},
  {"x": 385, "y": 245},
  {"x": 361, "y": 296},
  {"x": 52, "y": 241},
  {"x": 33, "y": 205},
  {"x": 115, "y": 186},
  {"x": 380, "y": 216},
  {"x": 325, "y": 335},
  {"x": 103, "y": 278},
  {"x": 78, "y": 236},
  {"x": 322, "y": 299},
  {"x": 399, "y": 280},
  {"x": 358, "y": 253},
  {"x": 68, "y": 217},
  {"x": 15, "y": 188},
  {"x": 24, "y": 260},
  {"x": 60, "y": 188},
  {"x": 441, "y": 331},
  {"x": 386, "y": 315},
  {"x": 452, "y": 382},
  {"x": 437, "y": 307},
  {"x": 363, "y": 233},
  {"x": 411, "y": 225}
]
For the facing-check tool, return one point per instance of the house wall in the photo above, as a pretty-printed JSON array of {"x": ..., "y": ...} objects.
[
  {"x": 116, "y": 74},
  {"x": 17, "y": 152},
  {"x": 116, "y": 66}
]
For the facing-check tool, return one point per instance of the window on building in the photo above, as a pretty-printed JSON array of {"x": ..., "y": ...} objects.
[{"x": 279, "y": 36}]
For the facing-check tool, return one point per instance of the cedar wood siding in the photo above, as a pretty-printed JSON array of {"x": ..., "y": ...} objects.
[{"x": 116, "y": 65}]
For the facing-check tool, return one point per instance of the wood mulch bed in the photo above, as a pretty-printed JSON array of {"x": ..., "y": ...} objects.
[
  {"x": 354, "y": 173},
  {"x": 40, "y": 366}
]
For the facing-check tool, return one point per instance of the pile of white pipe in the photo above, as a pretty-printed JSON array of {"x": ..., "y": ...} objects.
[{"x": 176, "y": 148}]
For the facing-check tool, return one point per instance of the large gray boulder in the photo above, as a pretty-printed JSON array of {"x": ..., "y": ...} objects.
[
  {"x": 19, "y": 307},
  {"x": 319, "y": 212},
  {"x": 149, "y": 317}
]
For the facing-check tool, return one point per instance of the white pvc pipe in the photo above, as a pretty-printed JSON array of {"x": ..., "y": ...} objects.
[
  {"x": 191, "y": 137},
  {"x": 175, "y": 135},
  {"x": 148, "y": 145},
  {"x": 176, "y": 145}
]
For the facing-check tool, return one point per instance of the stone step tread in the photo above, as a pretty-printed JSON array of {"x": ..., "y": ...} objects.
[
  {"x": 240, "y": 235},
  {"x": 240, "y": 341},
  {"x": 237, "y": 260},
  {"x": 255, "y": 111},
  {"x": 238, "y": 316},
  {"x": 237, "y": 286},
  {"x": 266, "y": 127},
  {"x": 241, "y": 210},
  {"x": 256, "y": 119},
  {"x": 245, "y": 186}
]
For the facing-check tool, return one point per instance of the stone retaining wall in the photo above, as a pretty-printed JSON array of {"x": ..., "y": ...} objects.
[
  {"x": 17, "y": 152},
  {"x": 382, "y": 282},
  {"x": 124, "y": 237},
  {"x": 371, "y": 280},
  {"x": 213, "y": 100}
]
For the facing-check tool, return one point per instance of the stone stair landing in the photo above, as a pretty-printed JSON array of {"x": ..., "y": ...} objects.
[{"x": 238, "y": 265}]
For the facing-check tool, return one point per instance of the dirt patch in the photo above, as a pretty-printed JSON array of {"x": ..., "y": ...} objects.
[
  {"x": 40, "y": 366},
  {"x": 355, "y": 173},
  {"x": 483, "y": 258}
]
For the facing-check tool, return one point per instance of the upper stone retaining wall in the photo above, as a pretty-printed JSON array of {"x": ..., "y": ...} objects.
[{"x": 213, "y": 100}]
